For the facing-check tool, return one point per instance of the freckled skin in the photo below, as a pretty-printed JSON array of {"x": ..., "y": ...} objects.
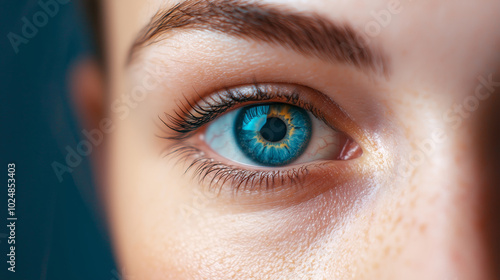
[{"x": 407, "y": 210}]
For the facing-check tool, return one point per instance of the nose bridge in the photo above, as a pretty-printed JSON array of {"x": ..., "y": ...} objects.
[
  {"x": 473, "y": 242},
  {"x": 487, "y": 144}
]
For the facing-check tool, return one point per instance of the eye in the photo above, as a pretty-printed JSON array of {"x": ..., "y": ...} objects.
[
  {"x": 273, "y": 135},
  {"x": 260, "y": 136}
]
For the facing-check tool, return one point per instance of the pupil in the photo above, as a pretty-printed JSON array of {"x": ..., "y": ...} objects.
[{"x": 274, "y": 130}]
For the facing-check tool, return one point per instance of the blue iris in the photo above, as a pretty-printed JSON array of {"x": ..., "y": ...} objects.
[{"x": 273, "y": 134}]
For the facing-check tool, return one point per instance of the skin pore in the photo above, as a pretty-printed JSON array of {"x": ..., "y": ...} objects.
[{"x": 418, "y": 203}]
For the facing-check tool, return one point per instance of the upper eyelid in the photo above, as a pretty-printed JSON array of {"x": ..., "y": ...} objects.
[{"x": 182, "y": 122}]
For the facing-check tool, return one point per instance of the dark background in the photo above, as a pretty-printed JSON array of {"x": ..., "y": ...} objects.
[{"x": 59, "y": 234}]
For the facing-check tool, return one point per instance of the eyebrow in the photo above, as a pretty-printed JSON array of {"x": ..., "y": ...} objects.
[{"x": 308, "y": 34}]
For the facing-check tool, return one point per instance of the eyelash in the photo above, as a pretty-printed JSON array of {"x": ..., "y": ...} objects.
[{"x": 191, "y": 116}]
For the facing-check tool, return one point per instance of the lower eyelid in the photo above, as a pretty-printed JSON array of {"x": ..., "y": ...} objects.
[
  {"x": 261, "y": 189},
  {"x": 210, "y": 171}
]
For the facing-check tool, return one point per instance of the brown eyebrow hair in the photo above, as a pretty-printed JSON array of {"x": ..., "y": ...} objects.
[{"x": 309, "y": 34}]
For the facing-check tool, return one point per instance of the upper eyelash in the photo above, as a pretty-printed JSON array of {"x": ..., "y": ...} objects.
[{"x": 190, "y": 116}]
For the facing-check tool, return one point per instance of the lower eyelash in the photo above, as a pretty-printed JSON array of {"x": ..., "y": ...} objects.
[{"x": 217, "y": 174}]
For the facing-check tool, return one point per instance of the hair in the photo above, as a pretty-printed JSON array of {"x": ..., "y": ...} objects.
[{"x": 94, "y": 17}]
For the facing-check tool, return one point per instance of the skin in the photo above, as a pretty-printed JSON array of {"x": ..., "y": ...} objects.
[{"x": 388, "y": 214}]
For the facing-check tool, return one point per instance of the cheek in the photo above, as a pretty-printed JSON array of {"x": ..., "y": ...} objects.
[{"x": 184, "y": 233}]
